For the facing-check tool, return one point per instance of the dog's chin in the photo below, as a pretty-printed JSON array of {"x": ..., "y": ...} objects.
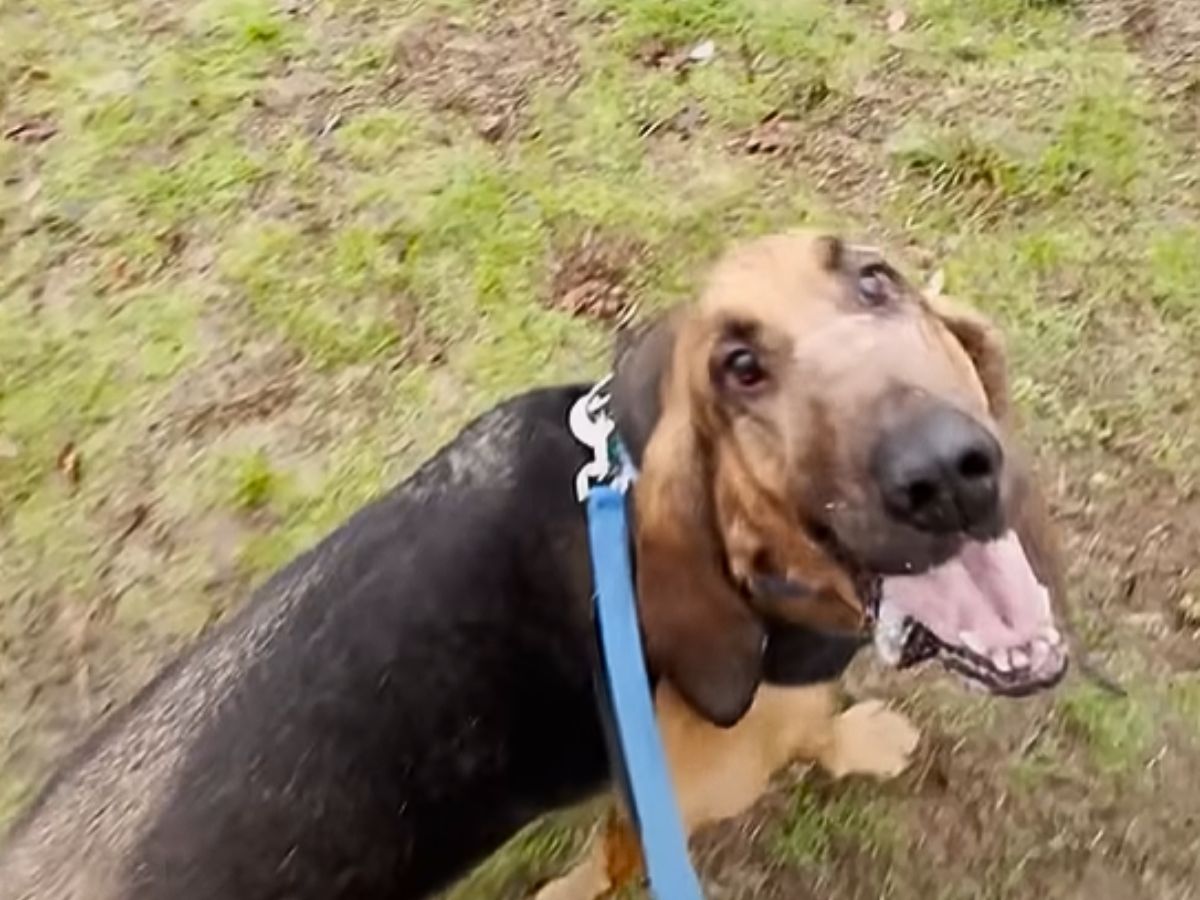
[{"x": 972, "y": 603}]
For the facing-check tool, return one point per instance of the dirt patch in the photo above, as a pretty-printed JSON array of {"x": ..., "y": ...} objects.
[
  {"x": 488, "y": 74},
  {"x": 1132, "y": 561},
  {"x": 255, "y": 403},
  {"x": 591, "y": 278},
  {"x": 30, "y": 131},
  {"x": 250, "y": 383},
  {"x": 1166, "y": 33}
]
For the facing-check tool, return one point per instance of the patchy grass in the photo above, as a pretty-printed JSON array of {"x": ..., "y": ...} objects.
[
  {"x": 254, "y": 482},
  {"x": 257, "y": 259},
  {"x": 1116, "y": 731},
  {"x": 815, "y": 828},
  {"x": 532, "y": 857}
]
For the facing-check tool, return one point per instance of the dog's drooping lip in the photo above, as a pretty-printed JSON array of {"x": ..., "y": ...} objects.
[{"x": 983, "y": 613}]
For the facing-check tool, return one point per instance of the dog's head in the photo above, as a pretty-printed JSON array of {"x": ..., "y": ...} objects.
[{"x": 821, "y": 445}]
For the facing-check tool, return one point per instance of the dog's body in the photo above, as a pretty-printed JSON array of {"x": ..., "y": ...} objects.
[
  {"x": 391, "y": 705},
  {"x": 384, "y": 712},
  {"x": 818, "y": 446}
]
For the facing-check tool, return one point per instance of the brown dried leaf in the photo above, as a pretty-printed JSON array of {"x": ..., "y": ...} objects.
[
  {"x": 135, "y": 519},
  {"x": 69, "y": 464},
  {"x": 937, "y": 283},
  {"x": 31, "y": 131}
]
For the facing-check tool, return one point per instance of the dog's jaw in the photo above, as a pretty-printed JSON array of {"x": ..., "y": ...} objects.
[{"x": 983, "y": 614}]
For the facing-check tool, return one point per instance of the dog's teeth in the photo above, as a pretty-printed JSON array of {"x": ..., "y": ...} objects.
[
  {"x": 1000, "y": 660},
  {"x": 1052, "y": 636},
  {"x": 1020, "y": 659},
  {"x": 1040, "y": 652},
  {"x": 972, "y": 642}
]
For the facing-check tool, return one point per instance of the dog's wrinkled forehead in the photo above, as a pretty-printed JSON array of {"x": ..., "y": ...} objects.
[
  {"x": 787, "y": 278},
  {"x": 826, "y": 304}
]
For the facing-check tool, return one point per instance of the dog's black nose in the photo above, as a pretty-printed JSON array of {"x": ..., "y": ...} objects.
[{"x": 940, "y": 471}]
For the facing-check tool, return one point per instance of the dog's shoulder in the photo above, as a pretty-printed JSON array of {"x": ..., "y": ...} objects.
[{"x": 500, "y": 449}]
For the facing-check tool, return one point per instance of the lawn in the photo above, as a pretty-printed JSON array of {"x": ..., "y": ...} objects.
[{"x": 259, "y": 257}]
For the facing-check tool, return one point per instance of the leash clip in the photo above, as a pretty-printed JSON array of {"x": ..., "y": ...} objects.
[{"x": 593, "y": 427}]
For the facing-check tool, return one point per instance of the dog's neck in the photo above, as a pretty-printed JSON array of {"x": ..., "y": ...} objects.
[{"x": 793, "y": 655}]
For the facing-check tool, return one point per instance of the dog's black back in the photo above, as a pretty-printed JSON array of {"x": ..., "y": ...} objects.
[
  {"x": 402, "y": 698},
  {"x": 429, "y": 693},
  {"x": 387, "y": 709}
]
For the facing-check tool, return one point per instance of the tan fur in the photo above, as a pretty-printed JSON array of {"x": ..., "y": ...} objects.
[
  {"x": 719, "y": 773},
  {"x": 730, "y": 480},
  {"x": 723, "y": 494}
]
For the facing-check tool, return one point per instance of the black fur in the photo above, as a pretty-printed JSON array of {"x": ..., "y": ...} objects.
[
  {"x": 431, "y": 693},
  {"x": 428, "y": 691}
]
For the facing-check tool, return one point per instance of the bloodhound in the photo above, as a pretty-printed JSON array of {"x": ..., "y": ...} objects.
[
  {"x": 821, "y": 444},
  {"x": 824, "y": 454}
]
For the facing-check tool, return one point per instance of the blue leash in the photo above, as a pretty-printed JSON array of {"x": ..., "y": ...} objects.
[
  {"x": 627, "y": 709},
  {"x": 645, "y": 777}
]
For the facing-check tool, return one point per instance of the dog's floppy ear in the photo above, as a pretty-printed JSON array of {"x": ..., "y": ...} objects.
[
  {"x": 984, "y": 345},
  {"x": 642, "y": 355},
  {"x": 699, "y": 632}
]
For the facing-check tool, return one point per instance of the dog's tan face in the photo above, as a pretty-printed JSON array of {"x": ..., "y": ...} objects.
[{"x": 828, "y": 449}]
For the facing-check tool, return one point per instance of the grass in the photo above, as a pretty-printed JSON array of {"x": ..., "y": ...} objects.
[
  {"x": 260, "y": 265},
  {"x": 534, "y": 855},
  {"x": 1115, "y": 731},
  {"x": 814, "y": 829}
]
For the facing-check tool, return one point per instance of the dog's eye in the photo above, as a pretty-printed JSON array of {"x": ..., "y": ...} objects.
[
  {"x": 875, "y": 286},
  {"x": 743, "y": 367}
]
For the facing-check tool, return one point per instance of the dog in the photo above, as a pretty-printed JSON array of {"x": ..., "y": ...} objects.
[
  {"x": 823, "y": 454},
  {"x": 946, "y": 361}
]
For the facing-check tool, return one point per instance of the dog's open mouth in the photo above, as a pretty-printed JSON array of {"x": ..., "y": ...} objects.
[{"x": 982, "y": 613}]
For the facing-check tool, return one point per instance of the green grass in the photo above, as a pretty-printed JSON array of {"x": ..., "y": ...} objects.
[
  {"x": 254, "y": 481},
  {"x": 1116, "y": 731},
  {"x": 243, "y": 194},
  {"x": 1174, "y": 263},
  {"x": 533, "y": 855},
  {"x": 815, "y": 829},
  {"x": 1184, "y": 694}
]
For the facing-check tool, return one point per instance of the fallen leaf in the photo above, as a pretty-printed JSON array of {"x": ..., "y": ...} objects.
[
  {"x": 492, "y": 127},
  {"x": 8, "y": 449},
  {"x": 1189, "y": 609},
  {"x": 702, "y": 52},
  {"x": 137, "y": 517},
  {"x": 655, "y": 53},
  {"x": 33, "y": 131},
  {"x": 772, "y": 135},
  {"x": 330, "y": 125},
  {"x": 937, "y": 283},
  {"x": 68, "y": 463},
  {"x": 896, "y": 21}
]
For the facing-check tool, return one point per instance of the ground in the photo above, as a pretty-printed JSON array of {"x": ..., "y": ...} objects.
[{"x": 259, "y": 257}]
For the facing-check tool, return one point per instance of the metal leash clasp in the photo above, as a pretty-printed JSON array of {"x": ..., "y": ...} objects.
[{"x": 592, "y": 426}]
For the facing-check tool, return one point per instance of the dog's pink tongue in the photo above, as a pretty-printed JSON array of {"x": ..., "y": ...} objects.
[{"x": 987, "y": 597}]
